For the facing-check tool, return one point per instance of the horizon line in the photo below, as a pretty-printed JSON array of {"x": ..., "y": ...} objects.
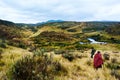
[{"x": 61, "y": 21}]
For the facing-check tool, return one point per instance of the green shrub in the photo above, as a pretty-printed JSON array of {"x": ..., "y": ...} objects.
[
  {"x": 83, "y": 46},
  {"x": 3, "y": 45},
  {"x": 22, "y": 45},
  {"x": 1, "y": 51},
  {"x": 106, "y": 56},
  {"x": 37, "y": 52},
  {"x": 113, "y": 66},
  {"x": 116, "y": 73},
  {"x": 69, "y": 56},
  {"x": 71, "y": 30},
  {"x": 36, "y": 68},
  {"x": 114, "y": 60},
  {"x": 60, "y": 51}
]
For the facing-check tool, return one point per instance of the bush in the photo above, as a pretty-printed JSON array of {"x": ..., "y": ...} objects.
[
  {"x": 71, "y": 30},
  {"x": 3, "y": 45},
  {"x": 106, "y": 56},
  {"x": 116, "y": 74},
  {"x": 22, "y": 45},
  {"x": 36, "y": 68},
  {"x": 1, "y": 51},
  {"x": 38, "y": 52},
  {"x": 60, "y": 51},
  {"x": 113, "y": 66},
  {"x": 83, "y": 46},
  {"x": 69, "y": 56},
  {"x": 114, "y": 60}
]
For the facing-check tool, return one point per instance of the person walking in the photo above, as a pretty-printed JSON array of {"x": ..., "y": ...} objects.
[
  {"x": 98, "y": 61},
  {"x": 93, "y": 52}
]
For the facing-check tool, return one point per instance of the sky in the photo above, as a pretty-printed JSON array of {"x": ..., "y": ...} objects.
[{"x": 34, "y": 11}]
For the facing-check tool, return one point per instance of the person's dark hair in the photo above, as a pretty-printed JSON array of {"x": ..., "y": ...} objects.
[{"x": 98, "y": 52}]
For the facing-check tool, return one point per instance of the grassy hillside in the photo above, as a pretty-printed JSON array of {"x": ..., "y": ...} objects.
[{"x": 52, "y": 51}]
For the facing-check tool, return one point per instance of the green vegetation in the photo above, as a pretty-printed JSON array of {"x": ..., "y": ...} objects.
[
  {"x": 37, "y": 68},
  {"x": 114, "y": 30},
  {"x": 52, "y": 51}
]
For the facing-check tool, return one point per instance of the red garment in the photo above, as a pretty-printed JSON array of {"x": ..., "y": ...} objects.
[{"x": 98, "y": 61}]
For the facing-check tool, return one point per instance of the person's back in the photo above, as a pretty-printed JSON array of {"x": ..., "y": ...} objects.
[{"x": 98, "y": 61}]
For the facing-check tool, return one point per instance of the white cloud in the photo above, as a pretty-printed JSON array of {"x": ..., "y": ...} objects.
[
  {"x": 41, "y": 10},
  {"x": 108, "y": 13}
]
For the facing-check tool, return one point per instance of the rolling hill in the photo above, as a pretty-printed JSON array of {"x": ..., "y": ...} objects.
[{"x": 52, "y": 51}]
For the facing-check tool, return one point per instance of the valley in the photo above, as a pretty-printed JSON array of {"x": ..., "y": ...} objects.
[{"x": 52, "y": 50}]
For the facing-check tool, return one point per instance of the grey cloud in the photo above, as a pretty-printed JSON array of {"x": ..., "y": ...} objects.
[{"x": 41, "y": 10}]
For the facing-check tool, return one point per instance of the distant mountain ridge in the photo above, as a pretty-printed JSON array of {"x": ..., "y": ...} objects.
[
  {"x": 51, "y": 22},
  {"x": 7, "y": 23},
  {"x": 39, "y": 23}
]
